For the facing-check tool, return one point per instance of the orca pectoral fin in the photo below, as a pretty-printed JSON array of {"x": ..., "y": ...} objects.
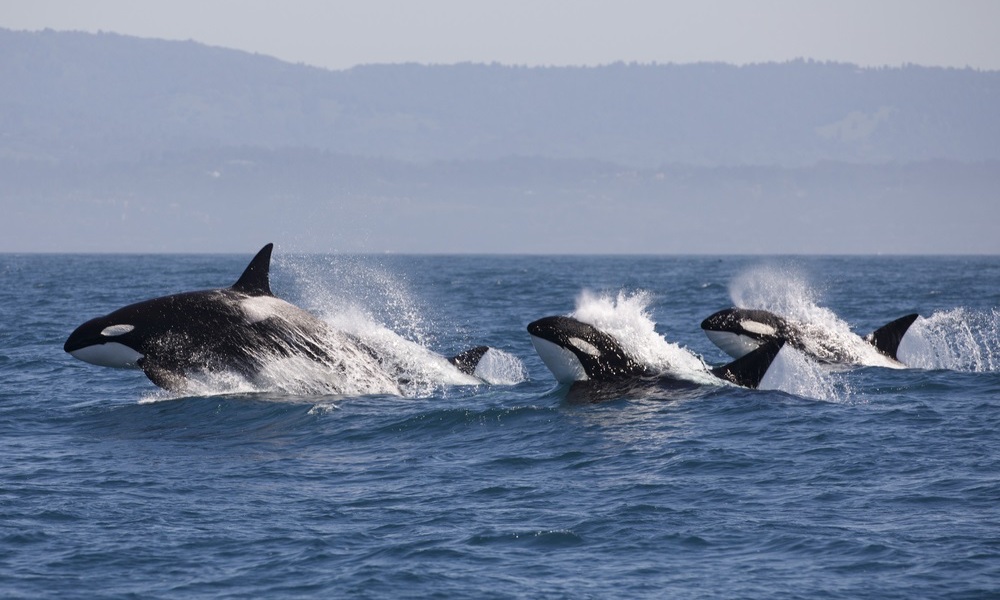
[
  {"x": 168, "y": 379},
  {"x": 886, "y": 338},
  {"x": 749, "y": 370},
  {"x": 468, "y": 361}
]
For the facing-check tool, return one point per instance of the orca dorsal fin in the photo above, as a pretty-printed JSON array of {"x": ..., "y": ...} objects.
[
  {"x": 255, "y": 279},
  {"x": 887, "y": 337},
  {"x": 750, "y": 369}
]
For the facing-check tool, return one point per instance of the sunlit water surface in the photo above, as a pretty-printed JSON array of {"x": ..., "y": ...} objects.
[{"x": 865, "y": 482}]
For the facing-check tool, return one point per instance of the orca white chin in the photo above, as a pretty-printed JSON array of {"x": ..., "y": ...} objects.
[
  {"x": 565, "y": 366},
  {"x": 733, "y": 344},
  {"x": 110, "y": 354}
]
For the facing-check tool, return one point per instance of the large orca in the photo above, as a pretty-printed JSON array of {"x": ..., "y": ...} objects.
[
  {"x": 579, "y": 352},
  {"x": 737, "y": 331},
  {"x": 238, "y": 329}
]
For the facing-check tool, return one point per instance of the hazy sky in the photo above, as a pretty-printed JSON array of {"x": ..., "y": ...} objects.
[{"x": 338, "y": 34}]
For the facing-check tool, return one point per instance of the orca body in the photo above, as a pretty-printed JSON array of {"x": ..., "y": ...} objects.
[
  {"x": 739, "y": 331},
  {"x": 238, "y": 329},
  {"x": 577, "y": 352}
]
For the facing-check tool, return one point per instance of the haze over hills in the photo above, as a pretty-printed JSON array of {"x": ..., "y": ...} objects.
[{"x": 115, "y": 143}]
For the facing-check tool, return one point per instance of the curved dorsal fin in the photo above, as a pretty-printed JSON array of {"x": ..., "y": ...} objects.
[{"x": 254, "y": 280}]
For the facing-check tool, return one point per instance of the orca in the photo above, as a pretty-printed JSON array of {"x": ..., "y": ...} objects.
[
  {"x": 738, "y": 331},
  {"x": 238, "y": 329},
  {"x": 578, "y": 352}
]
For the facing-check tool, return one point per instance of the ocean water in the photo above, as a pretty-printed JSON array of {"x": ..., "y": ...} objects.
[{"x": 861, "y": 482}]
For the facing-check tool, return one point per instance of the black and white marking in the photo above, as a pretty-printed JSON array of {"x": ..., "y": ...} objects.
[
  {"x": 576, "y": 351},
  {"x": 239, "y": 329},
  {"x": 739, "y": 331}
]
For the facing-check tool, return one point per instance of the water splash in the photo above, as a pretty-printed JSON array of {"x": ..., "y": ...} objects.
[
  {"x": 795, "y": 373},
  {"x": 205, "y": 385},
  {"x": 377, "y": 307},
  {"x": 363, "y": 334},
  {"x": 786, "y": 291},
  {"x": 626, "y": 317},
  {"x": 959, "y": 339},
  {"x": 501, "y": 368},
  {"x": 339, "y": 287},
  {"x": 325, "y": 362}
]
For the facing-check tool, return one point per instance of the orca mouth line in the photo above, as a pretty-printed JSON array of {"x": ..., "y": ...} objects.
[
  {"x": 77, "y": 342},
  {"x": 109, "y": 354},
  {"x": 574, "y": 350}
]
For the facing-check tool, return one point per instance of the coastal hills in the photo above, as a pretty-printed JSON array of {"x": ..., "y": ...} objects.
[{"x": 108, "y": 128}]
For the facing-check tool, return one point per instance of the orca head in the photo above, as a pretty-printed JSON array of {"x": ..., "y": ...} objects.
[
  {"x": 739, "y": 331},
  {"x": 577, "y": 351},
  {"x": 123, "y": 338},
  {"x": 107, "y": 341}
]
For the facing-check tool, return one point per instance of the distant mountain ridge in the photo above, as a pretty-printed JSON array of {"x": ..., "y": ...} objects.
[
  {"x": 115, "y": 143},
  {"x": 77, "y": 97}
]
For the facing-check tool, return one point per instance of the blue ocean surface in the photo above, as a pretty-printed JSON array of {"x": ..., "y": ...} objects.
[{"x": 859, "y": 482}]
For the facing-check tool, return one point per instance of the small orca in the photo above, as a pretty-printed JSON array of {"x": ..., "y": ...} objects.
[
  {"x": 579, "y": 352},
  {"x": 737, "y": 331},
  {"x": 236, "y": 330}
]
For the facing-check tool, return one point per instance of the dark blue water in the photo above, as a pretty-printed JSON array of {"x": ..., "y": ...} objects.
[{"x": 869, "y": 482}]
